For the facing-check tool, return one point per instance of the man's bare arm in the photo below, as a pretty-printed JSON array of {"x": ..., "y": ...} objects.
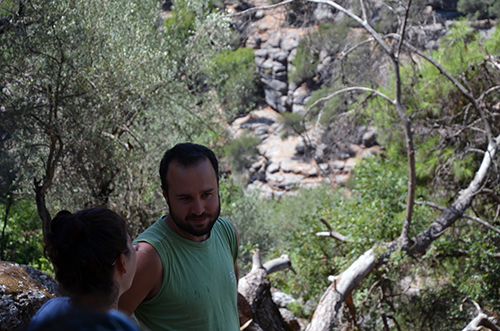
[
  {"x": 236, "y": 273},
  {"x": 147, "y": 280}
]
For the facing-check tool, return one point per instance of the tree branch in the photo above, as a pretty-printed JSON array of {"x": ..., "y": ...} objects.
[
  {"x": 491, "y": 193},
  {"x": 41, "y": 186},
  {"x": 327, "y": 312},
  {"x": 364, "y": 23},
  {"x": 279, "y": 264},
  {"x": 480, "y": 321},
  {"x": 455, "y": 82},
  {"x": 254, "y": 9},
  {"x": 403, "y": 30},
  {"x": 473, "y": 218},
  {"x": 332, "y": 233},
  {"x": 345, "y": 90}
]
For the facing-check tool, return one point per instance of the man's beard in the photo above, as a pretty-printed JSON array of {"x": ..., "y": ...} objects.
[{"x": 188, "y": 228}]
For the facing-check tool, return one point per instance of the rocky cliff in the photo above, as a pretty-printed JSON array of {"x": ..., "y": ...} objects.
[{"x": 23, "y": 290}]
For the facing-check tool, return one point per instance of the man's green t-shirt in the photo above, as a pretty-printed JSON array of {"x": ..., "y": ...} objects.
[{"x": 199, "y": 290}]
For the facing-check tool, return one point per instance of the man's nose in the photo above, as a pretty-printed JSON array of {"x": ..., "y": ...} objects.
[{"x": 198, "y": 207}]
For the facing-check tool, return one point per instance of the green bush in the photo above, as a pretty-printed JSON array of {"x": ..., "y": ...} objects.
[
  {"x": 305, "y": 62},
  {"x": 242, "y": 152},
  {"x": 479, "y": 9},
  {"x": 180, "y": 23},
  {"x": 23, "y": 238},
  {"x": 329, "y": 37},
  {"x": 291, "y": 124},
  {"x": 235, "y": 80},
  {"x": 266, "y": 224}
]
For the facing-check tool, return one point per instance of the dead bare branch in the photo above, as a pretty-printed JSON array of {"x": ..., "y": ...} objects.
[
  {"x": 492, "y": 60},
  {"x": 480, "y": 321},
  {"x": 488, "y": 91},
  {"x": 403, "y": 30},
  {"x": 256, "y": 260},
  {"x": 332, "y": 233},
  {"x": 345, "y": 90},
  {"x": 364, "y": 23},
  {"x": 454, "y": 81},
  {"x": 281, "y": 263},
  {"x": 343, "y": 54},
  {"x": 254, "y": 9},
  {"x": 473, "y": 218}
]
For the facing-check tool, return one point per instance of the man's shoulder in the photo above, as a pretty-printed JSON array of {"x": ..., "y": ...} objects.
[
  {"x": 224, "y": 221},
  {"x": 153, "y": 233},
  {"x": 225, "y": 225}
]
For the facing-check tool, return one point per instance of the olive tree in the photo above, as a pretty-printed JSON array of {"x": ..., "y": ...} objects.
[{"x": 93, "y": 92}]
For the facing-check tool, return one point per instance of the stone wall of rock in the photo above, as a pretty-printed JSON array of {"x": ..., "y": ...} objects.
[
  {"x": 286, "y": 164},
  {"x": 275, "y": 44},
  {"x": 23, "y": 290},
  {"x": 332, "y": 152}
]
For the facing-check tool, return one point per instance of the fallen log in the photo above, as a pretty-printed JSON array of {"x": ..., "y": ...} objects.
[{"x": 255, "y": 287}]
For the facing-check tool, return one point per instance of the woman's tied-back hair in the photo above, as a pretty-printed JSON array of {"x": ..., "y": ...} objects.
[
  {"x": 186, "y": 154},
  {"x": 83, "y": 248}
]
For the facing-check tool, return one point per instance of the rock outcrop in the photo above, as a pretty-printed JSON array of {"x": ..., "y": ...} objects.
[
  {"x": 287, "y": 164},
  {"x": 275, "y": 43},
  {"x": 23, "y": 290},
  {"x": 330, "y": 153}
]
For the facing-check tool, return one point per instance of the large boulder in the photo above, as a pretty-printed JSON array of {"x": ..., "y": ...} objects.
[{"x": 21, "y": 294}]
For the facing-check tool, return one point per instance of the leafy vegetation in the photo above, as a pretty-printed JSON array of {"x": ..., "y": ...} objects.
[
  {"x": 291, "y": 124},
  {"x": 98, "y": 103},
  {"x": 304, "y": 63},
  {"x": 235, "y": 80},
  {"x": 242, "y": 151},
  {"x": 479, "y": 9},
  {"x": 22, "y": 236},
  {"x": 81, "y": 93}
]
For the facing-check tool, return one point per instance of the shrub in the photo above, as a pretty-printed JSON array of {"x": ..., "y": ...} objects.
[
  {"x": 304, "y": 63},
  {"x": 291, "y": 124},
  {"x": 479, "y": 9},
  {"x": 242, "y": 152},
  {"x": 181, "y": 21},
  {"x": 235, "y": 80},
  {"x": 23, "y": 236}
]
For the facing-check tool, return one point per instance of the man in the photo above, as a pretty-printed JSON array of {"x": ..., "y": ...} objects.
[{"x": 186, "y": 266}]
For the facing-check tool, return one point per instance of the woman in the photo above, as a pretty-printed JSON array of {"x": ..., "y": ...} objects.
[{"x": 94, "y": 263}]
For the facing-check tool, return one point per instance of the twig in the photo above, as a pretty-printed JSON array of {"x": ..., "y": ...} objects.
[
  {"x": 473, "y": 218},
  {"x": 332, "y": 233},
  {"x": 254, "y": 9},
  {"x": 481, "y": 320},
  {"x": 455, "y": 82},
  {"x": 490, "y": 193}
]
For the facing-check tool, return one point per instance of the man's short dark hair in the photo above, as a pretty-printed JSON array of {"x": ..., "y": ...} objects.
[{"x": 186, "y": 154}]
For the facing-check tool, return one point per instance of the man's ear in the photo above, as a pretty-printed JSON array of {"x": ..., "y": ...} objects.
[{"x": 164, "y": 194}]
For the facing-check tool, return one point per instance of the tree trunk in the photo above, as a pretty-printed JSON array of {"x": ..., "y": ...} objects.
[{"x": 256, "y": 289}]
